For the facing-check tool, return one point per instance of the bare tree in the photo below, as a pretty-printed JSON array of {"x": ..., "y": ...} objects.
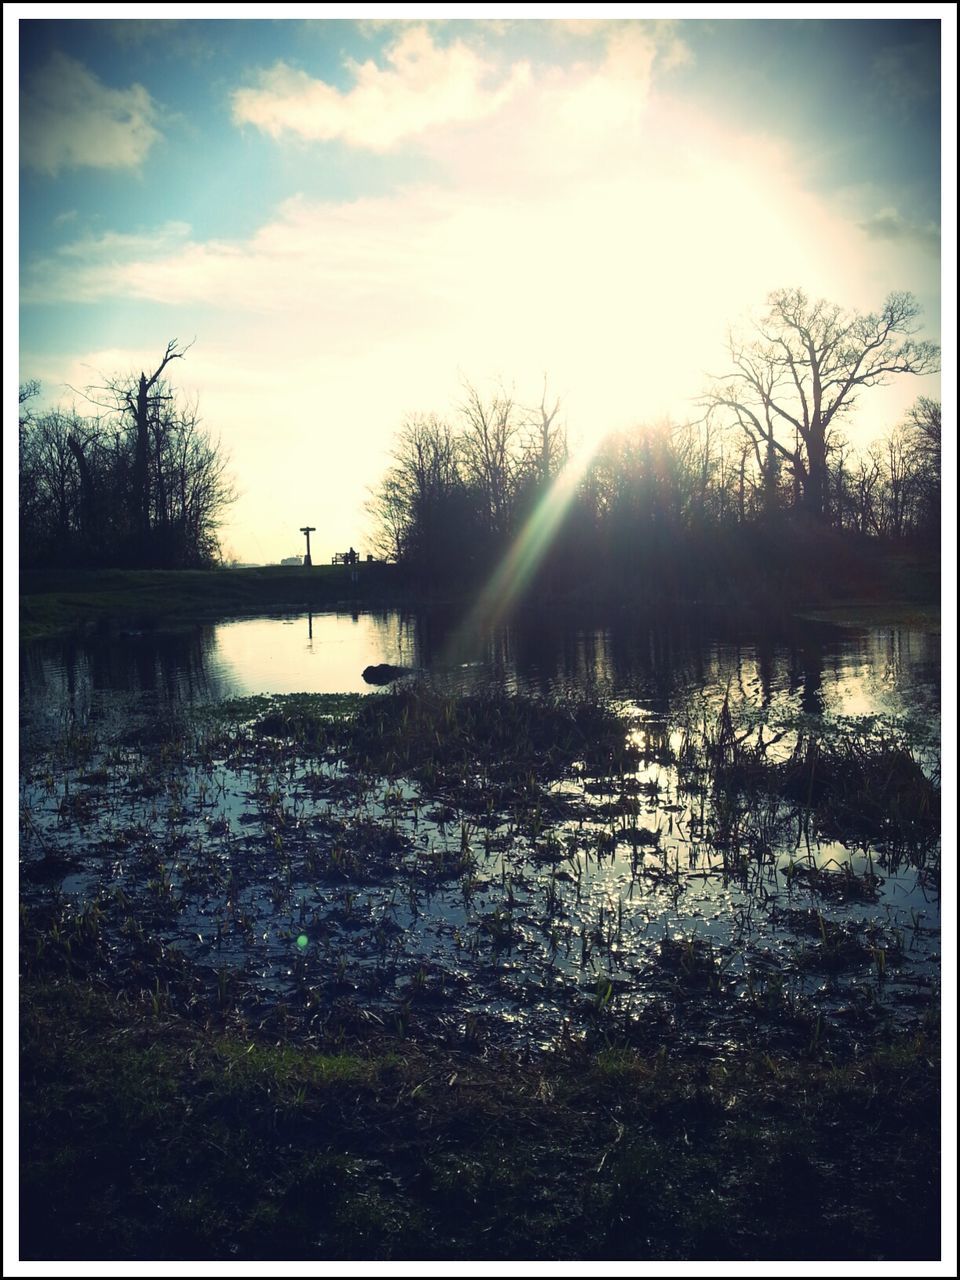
[
  {"x": 142, "y": 406},
  {"x": 549, "y": 448},
  {"x": 28, "y": 390},
  {"x": 488, "y": 444},
  {"x": 912, "y": 473},
  {"x": 414, "y": 506},
  {"x": 141, "y": 485},
  {"x": 805, "y": 368},
  {"x": 389, "y": 510},
  {"x": 923, "y": 427}
]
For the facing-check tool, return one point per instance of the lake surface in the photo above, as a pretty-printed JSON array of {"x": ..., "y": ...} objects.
[
  {"x": 294, "y": 875},
  {"x": 816, "y": 669}
]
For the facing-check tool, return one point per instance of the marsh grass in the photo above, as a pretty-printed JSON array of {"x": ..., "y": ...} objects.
[
  {"x": 374, "y": 1101},
  {"x": 860, "y": 783},
  {"x": 147, "y": 1136}
]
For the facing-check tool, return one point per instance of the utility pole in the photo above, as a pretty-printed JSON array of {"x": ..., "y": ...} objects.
[{"x": 308, "y": 529}]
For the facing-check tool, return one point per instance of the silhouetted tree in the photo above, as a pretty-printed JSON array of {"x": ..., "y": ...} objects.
[
  {"x": 549, "y": 449},
  {"x": 426, "y": 513},
  {"x": 923, "y": 433},
  {"x": 803, "y": 370},
  {"x": 142, "y": 485},
  {"x": 489, "y": 445}
]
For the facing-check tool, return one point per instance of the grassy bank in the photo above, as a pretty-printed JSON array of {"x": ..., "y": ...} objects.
[
  {"x": 829, "y": 578},
  {"x": 151, "y": 1136},
  {"x": 53, "y": 601}
]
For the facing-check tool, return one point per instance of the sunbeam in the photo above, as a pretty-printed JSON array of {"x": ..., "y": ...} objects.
[{"x": 518, "y": 566}]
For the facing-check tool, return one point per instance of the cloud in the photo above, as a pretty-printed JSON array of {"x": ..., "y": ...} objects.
[
  {"x": 660, "y": 34},
  {"x": 91, "y": 267},
  {"x": 890, "y": 225},
  {"x": 114, "y": 244},
  {"x": 571, "y": 120},
  {"x": 423, "y": 86},
  {"x": 655, "y": 248},
  {"x": 69, "y": 119},
  {"x": 440, "y": 94}
]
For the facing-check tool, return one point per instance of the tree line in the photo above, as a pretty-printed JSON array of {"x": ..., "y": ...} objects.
[
  {"x": 765, "y": 450},
  {"x": 141, "y": 484},
  {"x": 138, "y": 485}
]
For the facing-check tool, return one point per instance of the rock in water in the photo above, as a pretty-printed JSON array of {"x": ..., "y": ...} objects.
[{"x": 384, "y": 672}]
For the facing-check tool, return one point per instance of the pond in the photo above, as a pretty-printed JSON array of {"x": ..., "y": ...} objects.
[
  {"x": 321, "y": 874},
  {"x": 812, "y": 667}
]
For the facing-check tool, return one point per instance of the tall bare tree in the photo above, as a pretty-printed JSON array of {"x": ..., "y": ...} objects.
[
  {"x": 145, "y": 407},
  {"x": 549, "y": 447},
  {"x": 803, "y": 369},
  {"x": 140, "y": 485},
  {"x": 489, "y": 439}
]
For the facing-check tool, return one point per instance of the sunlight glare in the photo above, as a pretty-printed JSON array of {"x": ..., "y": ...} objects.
[{"x": 518, "y": 566}]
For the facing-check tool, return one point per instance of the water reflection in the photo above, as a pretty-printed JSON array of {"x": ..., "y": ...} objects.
[
  {"x": 72, "y": 678},
  {"x": 657, "y": 666},
  {"x": 405, "y": 888}
]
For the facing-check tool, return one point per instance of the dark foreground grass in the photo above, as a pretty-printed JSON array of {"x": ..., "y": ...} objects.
[{"x": 149, "y": 1136}]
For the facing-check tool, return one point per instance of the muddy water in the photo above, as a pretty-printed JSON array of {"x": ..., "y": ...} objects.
[{"x": 630, "y": 901}]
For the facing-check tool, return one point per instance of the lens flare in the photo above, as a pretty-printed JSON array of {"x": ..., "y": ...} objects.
[{"x": 515, "y": 571}]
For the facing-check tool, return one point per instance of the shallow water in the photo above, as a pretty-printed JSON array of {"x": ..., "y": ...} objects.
[
  {"x": 813, "y": 668},
  {"x": 284, "y": 875}
]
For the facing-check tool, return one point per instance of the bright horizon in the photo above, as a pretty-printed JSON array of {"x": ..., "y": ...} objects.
[{"x": 351, "y": 217}]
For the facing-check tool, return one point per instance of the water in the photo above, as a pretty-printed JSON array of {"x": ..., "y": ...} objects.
[
  {"x": 815, "y": 669},
  {"x": 628, "y": 904}
]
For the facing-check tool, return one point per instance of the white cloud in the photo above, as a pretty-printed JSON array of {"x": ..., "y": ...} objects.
[
  {"x": 113, "y": 244},
  {"x": 619, "y": 279},
  {"x": 70, "y": 119},
  {"x": 94, "y": 267},
  {"x": 422, "y": 87}
]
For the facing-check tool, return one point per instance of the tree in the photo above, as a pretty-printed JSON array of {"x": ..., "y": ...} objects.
[
  {"x": 922, "y": 428},
  {"x": 145, "y": 411},
  {"x": 141, "y": 485},
  {"x": 49, "y": 499},
  {"x": 548, "y": 448},
  {"x": 911, "y": 474},
  {"x": 28, "y": 390},
  {"x": 425, "y": 512},
  {"x": 453, "y": 495},
  {"x": 488, "y": 444},
  {"x": 803, "y": 370}
]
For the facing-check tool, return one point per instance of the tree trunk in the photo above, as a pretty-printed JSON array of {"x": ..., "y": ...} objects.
[
  {"x": 140, "y": 497},
  {"x": 88, "y": 508},
  {"x": 815, "y": 488}
]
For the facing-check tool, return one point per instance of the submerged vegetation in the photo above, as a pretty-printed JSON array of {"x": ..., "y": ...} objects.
[{"x": 417, "y": 975}]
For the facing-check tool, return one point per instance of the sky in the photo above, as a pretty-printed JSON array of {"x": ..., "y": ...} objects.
[{"x": 350, "y": 217}]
